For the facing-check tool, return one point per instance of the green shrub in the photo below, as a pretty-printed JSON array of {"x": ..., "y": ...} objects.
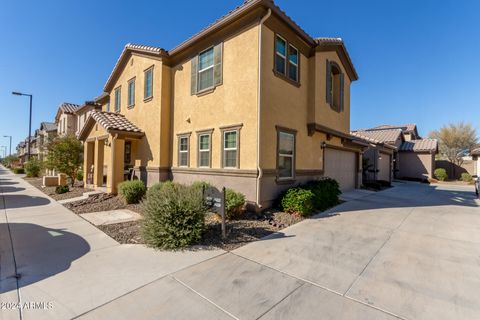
[
  {"x": 298, "y": 200},
  {"x": 440, "y": 174},
  {"x": 61, "y": 189},
  {"x": 466, "y": 177},
  {"x": 174, "y": 216},
  {"x": 18, "y": 170},
  {"x": 234, "y": 201},
  {"x": 326, "y": 193},
  {"x": 80, "y": 175},
  {"x": 33, "y": 167},
  {"x": 132, "y": 191}
]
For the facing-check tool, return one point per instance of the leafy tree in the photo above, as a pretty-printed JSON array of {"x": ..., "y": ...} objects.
[
  {"x": 10, "y": 161},
  {"x": 454, "y": 140},
  {"x": 65, "y": 155}
]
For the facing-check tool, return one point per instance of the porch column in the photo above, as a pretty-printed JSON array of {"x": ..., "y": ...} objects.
[
  {"x": 115, "y": 169},
  {"x": 88, "y": 152},
  {"x": 98, "y": 171}
]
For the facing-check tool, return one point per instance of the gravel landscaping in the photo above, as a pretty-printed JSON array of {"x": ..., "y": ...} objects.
[
  {"x": 101, "y": 202},
  {"x": 76, "y": 191}
]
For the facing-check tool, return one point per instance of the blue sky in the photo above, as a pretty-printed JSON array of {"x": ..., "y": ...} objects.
[{"x": 418, "y": 61}]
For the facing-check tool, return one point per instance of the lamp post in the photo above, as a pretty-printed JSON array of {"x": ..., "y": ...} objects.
[
  {"x": 4, "y": 148},
  {"x": 29, "y": 122},
  {"x": 10, "y": 150}
]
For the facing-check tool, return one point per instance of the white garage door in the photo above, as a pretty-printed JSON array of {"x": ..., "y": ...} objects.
[
  {"x": 341, "y": 166},
  {"x": 384, "y": 167}
]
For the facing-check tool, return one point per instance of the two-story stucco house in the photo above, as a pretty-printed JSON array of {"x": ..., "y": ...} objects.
[
  {"x": 46, "y": 134},
  {"x": 83, "y": 112},
  {"x": 252, "y": 103},
  {"x": 66, "y": 119}
]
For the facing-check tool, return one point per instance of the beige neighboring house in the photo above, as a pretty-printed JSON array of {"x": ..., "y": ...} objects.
[
  {"x": 22, "y": 150},
  {"x": 252, "y": 103},
  {"x": 46, "y": 133},
  {"x": 83, "y": 112},
  {"x": 66, "y": 119},
  {"x": 413, "y": 158}
]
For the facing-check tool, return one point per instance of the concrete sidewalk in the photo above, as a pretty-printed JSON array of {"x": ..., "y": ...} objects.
[{"x": 68, "y": 264}]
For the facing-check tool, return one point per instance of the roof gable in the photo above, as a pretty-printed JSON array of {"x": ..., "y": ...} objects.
[
  {"x": 381, "y": 135},
  {"x": 420, "y": 145},
  {"x": 110, "y": 121},
  {"x": 66, "y": 107}
]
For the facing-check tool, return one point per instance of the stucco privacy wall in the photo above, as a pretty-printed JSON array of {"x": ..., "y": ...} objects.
[
  {"x": 230, "y": 104},
  {"x": 416, "y": 165}
]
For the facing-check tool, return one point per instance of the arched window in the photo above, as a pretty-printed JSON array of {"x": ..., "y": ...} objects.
[{"x": 335, "y": 86}]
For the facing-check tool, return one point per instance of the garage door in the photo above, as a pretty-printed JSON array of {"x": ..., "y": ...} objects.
[
  {"x": 341, "y": 166},
  {"x": 384, "y": 167}
]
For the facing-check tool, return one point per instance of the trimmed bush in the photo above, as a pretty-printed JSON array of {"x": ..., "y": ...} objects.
[
  {"x": 33, "y": 167},
  {"x": 466, "y": 177},
  {"x": 234, "y": 202},
  {"x": 80, "y": 175},
  {"x": 298, "y": 200},
  {"x": 174, "y": 216},
  {"x": 18, "y": 170},
  {"x": 132, "y": 191},
  {"x": 61, "y": 189},
  {"x": 326, "y": 193},
  {"x": 440, "y": 174}
]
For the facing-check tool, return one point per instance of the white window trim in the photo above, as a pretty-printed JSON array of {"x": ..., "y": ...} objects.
[
  {"x": 180, "y": 151},
  {"x": 286, "y": 155},
  {"x": 209, "y": 150},
  {"x": 224, "y": 150}
]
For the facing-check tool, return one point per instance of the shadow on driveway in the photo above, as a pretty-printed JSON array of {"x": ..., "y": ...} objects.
[{"x": 41, "y": 252}]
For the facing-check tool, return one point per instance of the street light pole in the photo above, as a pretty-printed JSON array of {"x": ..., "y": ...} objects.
[
  {"x": 10, "y": 150},
  {"x": 29, "y": 123}
]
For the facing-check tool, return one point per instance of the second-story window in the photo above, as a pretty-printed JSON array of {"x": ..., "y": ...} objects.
[
  {"x": 148, "y": 90},
  {"x": 117, "y": 95},
  {"x": 286, "y": 59},
  {"x": 207, "y": 69},
  {"x": 335, "y": 86},
  {"x": 107, "y": 106},
  {"x": 131, "y": 93}
]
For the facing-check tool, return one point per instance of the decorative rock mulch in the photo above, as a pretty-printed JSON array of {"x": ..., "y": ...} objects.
[
  {"x": 101, "y": 202},
  {"x": 76, "y": 191}
]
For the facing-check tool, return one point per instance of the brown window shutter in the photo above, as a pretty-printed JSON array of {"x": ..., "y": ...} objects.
[
  {"x": 329, "y": 83},
  {"x": 217, "y": 64},
  {"x": 342, "y": 91},
  {"x": 193, "y": 81}
]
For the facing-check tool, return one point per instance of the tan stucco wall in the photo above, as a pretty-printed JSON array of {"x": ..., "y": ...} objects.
[
  {"x": 152, "y": 151},
  {"x": 70, "y": 124},
  {"x": 234, "y": 102},
  {"x": 416, "y": 165}
]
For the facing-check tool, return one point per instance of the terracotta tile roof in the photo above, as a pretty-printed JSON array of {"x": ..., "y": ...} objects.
[
  {"x": 114, "y": 121},
  {"x": 370, "y": 139},
  {"x": 405, "y": 127},
  {"x": 383, "y": 136},
  {"x": 328, "y": 41},
  {"x": 69, "y": 107},
  {"x": 419, "y": 145}
]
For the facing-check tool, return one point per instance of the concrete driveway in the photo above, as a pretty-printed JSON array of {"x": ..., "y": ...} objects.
[{"x": 411, "y": 252}]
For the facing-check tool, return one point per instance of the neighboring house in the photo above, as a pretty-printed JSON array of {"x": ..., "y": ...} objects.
[
  {"x": 475, "y": 153},
  {"x": 414, "y": 157},
  {"x": 47, "y": 132},
  {"x": 34, "y": 152},
  {"x": 83, "y": 112},
  {"x": 22, "y": 151},
  {"x": 252, "y": 103},
  {"x": 379, "y": 159},
  {"x": 66, "y": 119}
]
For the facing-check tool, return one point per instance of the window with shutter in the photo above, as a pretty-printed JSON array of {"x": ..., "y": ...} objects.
[
  {"x": 335, "y": 86},
  {"x": 207, "y": 69}
]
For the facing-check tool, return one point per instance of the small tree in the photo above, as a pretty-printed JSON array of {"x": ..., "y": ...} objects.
[
  {"x": 455, "y": 139},
  {"x": 65, "y": 155}
]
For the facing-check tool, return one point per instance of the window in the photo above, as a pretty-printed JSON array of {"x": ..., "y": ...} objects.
[
  {"x": 127, "y": 157},
  {"x": 204, "y": 150},
  {"x": 131, "y": 93},
  {"x": 107, "y": 107},
  {"x": 286, "y": 59},
  {"x": 148, "y": 90},
  {"x": 207, "y": 69},
  {"x": 183, "y": 151},
  {"x": 117, "y": 99},
  {"x": 286, "y": 154},
  {"x": 230, "y": 149},
  {"x": 335, "y": 86}
]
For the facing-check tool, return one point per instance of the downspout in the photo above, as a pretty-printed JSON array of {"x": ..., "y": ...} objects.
[{"x": 259, "y": 103}]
